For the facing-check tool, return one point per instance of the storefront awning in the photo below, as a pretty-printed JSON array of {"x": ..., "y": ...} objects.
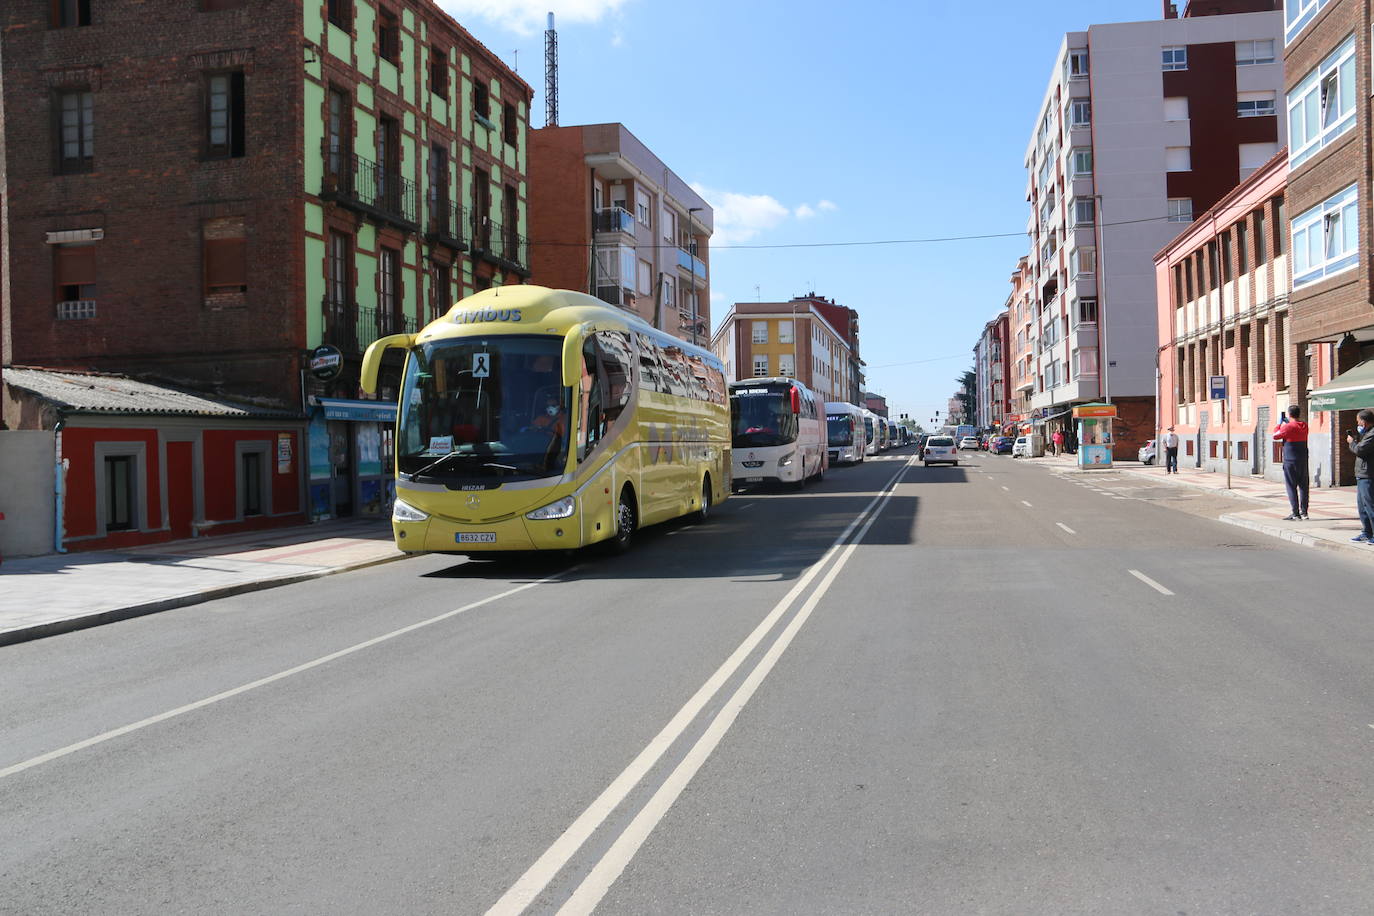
[
  {"x": 362, "y": 411},
  {"x": 1350, "y": 390},
  {"x": 1053, "y": 416}
]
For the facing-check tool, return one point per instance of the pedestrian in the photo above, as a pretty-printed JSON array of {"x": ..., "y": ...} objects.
[
  {"x": 1171, "y": 452},
  {"x": 1361, "y": 444},
  {"x": 1058, "y": 440},
  {"x": 1292, "y": 432}
]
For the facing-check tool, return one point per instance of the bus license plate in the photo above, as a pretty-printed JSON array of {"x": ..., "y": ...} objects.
[
  {"x": 753, "y": 480},
  {"x": 477, "y": 537}
]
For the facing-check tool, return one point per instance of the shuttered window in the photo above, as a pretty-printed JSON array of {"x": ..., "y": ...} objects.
[
  {"x": 75, "y": 272},
  {"x": 226, "y": 265}
]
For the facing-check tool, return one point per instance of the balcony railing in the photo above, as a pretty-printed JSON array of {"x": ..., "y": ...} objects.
[
  {"x": 448, "y": 224},
  {"x": 352, "y": 329},
  {"x": 615, "y": 219},
  {"x": 501, "y": 245},
  {"x": 691, "y": 263},
  {"x": 363, "y": 185}
]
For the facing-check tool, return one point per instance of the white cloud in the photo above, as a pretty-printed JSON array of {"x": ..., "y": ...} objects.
[
  {"x": 525, "y": 17},
  {"x": 741, "y": 217}
]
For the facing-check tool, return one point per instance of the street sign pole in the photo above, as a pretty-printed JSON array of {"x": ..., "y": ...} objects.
[{"x": 1221, "y": 391}]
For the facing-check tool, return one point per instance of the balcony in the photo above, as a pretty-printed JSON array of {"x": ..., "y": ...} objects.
[
  {"x": 362, "y": 185},
  {"x": 448, "y": 225},
  {"x": 500, "y": 245},
  {"x": 689, "y": 262},
  {"x": 352, "y": 329},
  {"x": 615, "y": 219}
]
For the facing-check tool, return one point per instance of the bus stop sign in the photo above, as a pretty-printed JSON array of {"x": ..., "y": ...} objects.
[{"x": 1217, "y": 384}]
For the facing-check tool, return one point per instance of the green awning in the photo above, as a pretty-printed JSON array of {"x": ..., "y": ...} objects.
[{"x": 1352, "y": 390}]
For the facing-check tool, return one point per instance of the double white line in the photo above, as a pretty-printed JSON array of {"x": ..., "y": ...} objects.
[{"x": 609, "y": 867}]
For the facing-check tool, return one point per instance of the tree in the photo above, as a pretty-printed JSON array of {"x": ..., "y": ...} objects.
[{"x": 968, "y": 394}]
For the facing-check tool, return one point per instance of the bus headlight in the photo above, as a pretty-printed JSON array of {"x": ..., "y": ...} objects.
[
  {"x": 785, "y": 461},
  {"x": 560, "y": 509},
  {"x": 405, "y": 512}
]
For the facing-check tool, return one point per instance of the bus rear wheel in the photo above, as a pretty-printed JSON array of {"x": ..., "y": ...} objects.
[{"x": 704, "y": 507}]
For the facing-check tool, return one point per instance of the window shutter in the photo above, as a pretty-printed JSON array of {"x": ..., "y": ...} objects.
[
  {"x": 226, "y": 264},
  {"x": 75, "y": 265}
]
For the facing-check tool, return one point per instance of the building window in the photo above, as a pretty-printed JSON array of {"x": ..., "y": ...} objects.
[
  {"x": 1180, "y": 209},
  {"x": 250, "y": 476},
  {"x": 1255, "y": 52},
  {"x": 1322, "y": 106},
  {"x": 1076, "y": 66},
  {"x": 388, "y": 36},
  {"x": 1082, "y": 161},
  {"x": 645, "y": 275},
  {"x": 1178, "y": 159},
  {"x": 1242, "y": 247},
  {"x": 340, "y": 130},
  {"x": 1297, "y": 14},
  {"x": 1084, "y": 261},
  {"x": 760, "y": 332},
  {"x": 1080, "y": 113},
  {"x": 68, "y": 13},
  {"x": 1084, "y": 211},
  {"x": 341, "y": 13},
  {"x": 1175, "y": 58},
  {"x": 481, "y": 101},
  {"x": 642, "y": 207},
  {"x": 224, "y": 115},
  {"x": 441, "y": 291},
  {"x": 785, "y": 331},
  {"x": 338, "y": 277},
  {"x": 1326, "y": 238},
  {"x": 510, "y": 127},
  {"x": 1255, "y": 104},
  {"x": 121, "y": 498},
  {"x": 75, "y": 131},
  {"x": 786, "y": 366},
  {"x": 760, "y": 366},
  {"x": 1176, "y": 108},
  {"x": 74, "y": 278},
  {"x": 224, "y": 256},
  {"x": 388, "y": 291},
  {"x": 438, "y": 72}
]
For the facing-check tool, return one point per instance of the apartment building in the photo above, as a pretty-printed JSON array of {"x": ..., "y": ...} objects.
[
  {"x": 992, "y": 400},
  {"x": 1326, "y": 57},
  {"x": 1224, "y": 310},
  {"x": 796, "y": 339},
  {"x": 238, "y": 196},
  {"x": 1142, "y": 125},
  {"x": 611, "y": 219},
  {"x": 1021, "y": 337}
]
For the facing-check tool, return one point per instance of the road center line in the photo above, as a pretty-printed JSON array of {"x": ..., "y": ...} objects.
[
  {"x": 1008, "y": 489},
  {"x": 263, "y": 682},
  {"x": 605, "y": 873},
  {"x": 1026, "y": 504},
  {"x": 529, "y": 885},
  {"x": 1066, "y": 527},
  {"x": 1150, "y": 582}
]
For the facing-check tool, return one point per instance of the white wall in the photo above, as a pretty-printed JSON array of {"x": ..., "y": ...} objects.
[{"x": 26, "y": 492}]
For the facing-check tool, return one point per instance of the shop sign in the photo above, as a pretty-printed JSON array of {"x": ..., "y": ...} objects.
[
  {"x": 1095, "y": 410},
  {"x": 326, "y": 362},
  {"x": 283, "y": 453}
]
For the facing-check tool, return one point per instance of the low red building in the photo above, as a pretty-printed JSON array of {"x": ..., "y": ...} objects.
[{"x": 144, "y": 463}]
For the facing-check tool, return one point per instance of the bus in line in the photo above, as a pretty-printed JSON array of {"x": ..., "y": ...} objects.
[
  {"x": 872, "y": 432},
  {"x": 847, "y": 440},
  {"x": 533, "y": 419},
  {"x": 778, "y": 432}
]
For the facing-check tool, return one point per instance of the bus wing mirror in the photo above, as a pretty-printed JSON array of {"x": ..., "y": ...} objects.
[
  {"x": 372, "y": 359},
  {"x": 572, "y": 355}
]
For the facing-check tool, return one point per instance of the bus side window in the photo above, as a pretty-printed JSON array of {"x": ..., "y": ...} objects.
[
  {"x": 614, "y": 352},
  {"x": 591, "y": 393}
]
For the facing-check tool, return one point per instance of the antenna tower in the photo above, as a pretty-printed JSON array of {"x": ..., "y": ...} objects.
[{"x": 550, "y": 75}]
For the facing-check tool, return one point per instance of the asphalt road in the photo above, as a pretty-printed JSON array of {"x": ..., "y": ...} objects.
[{"x": 984, "y": 689}]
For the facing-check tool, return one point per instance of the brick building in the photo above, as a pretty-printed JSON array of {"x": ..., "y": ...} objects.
[
  {"x": 1326, "y": 62},
  {"x": 1021, "y": 342},
  {"x": 609, "y": 218},
  {"x": 992, "y": 399},
  {"x": 205, "y": 192},
  {"x": 796, "y": 339}
]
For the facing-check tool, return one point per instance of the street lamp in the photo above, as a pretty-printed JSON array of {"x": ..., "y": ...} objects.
[{"x": 692, "y": 253}]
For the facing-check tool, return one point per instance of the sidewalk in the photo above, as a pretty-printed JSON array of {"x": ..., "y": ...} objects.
[
  {"x": 1262, "y": 505},
  {"x": 42, "y": 596}
]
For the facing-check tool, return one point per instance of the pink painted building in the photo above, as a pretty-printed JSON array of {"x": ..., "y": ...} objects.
[{"x": 1222, "y": 296}]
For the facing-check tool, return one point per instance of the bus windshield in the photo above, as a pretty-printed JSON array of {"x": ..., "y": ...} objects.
[
  {"x": 478, "y": 409},
  {"x": 841, "y": 429},
  {"x": 762, "y": 417}
]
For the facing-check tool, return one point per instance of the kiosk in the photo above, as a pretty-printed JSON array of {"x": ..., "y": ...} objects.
[{"x": 1094, "y": 434}]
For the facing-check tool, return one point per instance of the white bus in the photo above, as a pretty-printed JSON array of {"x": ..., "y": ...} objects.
[
  {"x": 847, "y": 438},
  {"x": 872, "y": 432},
  {"x": 778, "y": 432}
]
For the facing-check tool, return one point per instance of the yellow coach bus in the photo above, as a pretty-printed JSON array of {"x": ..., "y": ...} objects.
[{"x": 533, "y": 419}]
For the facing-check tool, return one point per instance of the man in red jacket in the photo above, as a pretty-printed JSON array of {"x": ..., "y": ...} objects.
[{"x": 1292, "y": 432}]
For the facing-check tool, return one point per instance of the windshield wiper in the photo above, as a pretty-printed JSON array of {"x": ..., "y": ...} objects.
[
  {"x": 504, "y": 467},
  {"x": 433, "y": 464}
]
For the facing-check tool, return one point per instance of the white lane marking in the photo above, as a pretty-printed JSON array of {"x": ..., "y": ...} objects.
[
  {"x": 1066, "y": 527},
  {"x": 529, "y": 885},
  {"x": 263, "y": 682},
  {"x": 746, "y": 505},
  {"x": 1008, "y": 489},
  {"x": 1150, "y": 582},
  {"x": 593, "y": 888},
  {"x": 1026, "y": 504}
]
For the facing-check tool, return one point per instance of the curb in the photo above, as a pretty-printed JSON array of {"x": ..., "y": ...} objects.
[
  {"x": 114, "y": 615},
  {"x": 1296, "y": 537}
]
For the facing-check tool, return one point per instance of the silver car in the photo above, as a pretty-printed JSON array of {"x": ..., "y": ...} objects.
[{"x": 940, "y": 450}]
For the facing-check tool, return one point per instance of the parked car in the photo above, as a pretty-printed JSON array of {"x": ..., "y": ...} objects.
[
  {"x": 1002, "y": 445},
  {"x": 1021, "y": 447},
  {"x": 969, "y": 442},
  {"x": 940, "y": 450},
  {"x": 1147, "y": 453}
]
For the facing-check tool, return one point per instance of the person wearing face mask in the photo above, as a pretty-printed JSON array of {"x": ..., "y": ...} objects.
[
  {"x": 553, "y": 419},
  {"x": 1292, "y": 432},
  {"x": 1361, "y": 445}
]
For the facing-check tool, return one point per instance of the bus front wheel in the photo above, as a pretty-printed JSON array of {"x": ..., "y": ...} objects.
[{"x": 626, "y": 521}]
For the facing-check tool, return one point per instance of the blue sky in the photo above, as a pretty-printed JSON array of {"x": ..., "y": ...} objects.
[{"x": 806, "y": 123}]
